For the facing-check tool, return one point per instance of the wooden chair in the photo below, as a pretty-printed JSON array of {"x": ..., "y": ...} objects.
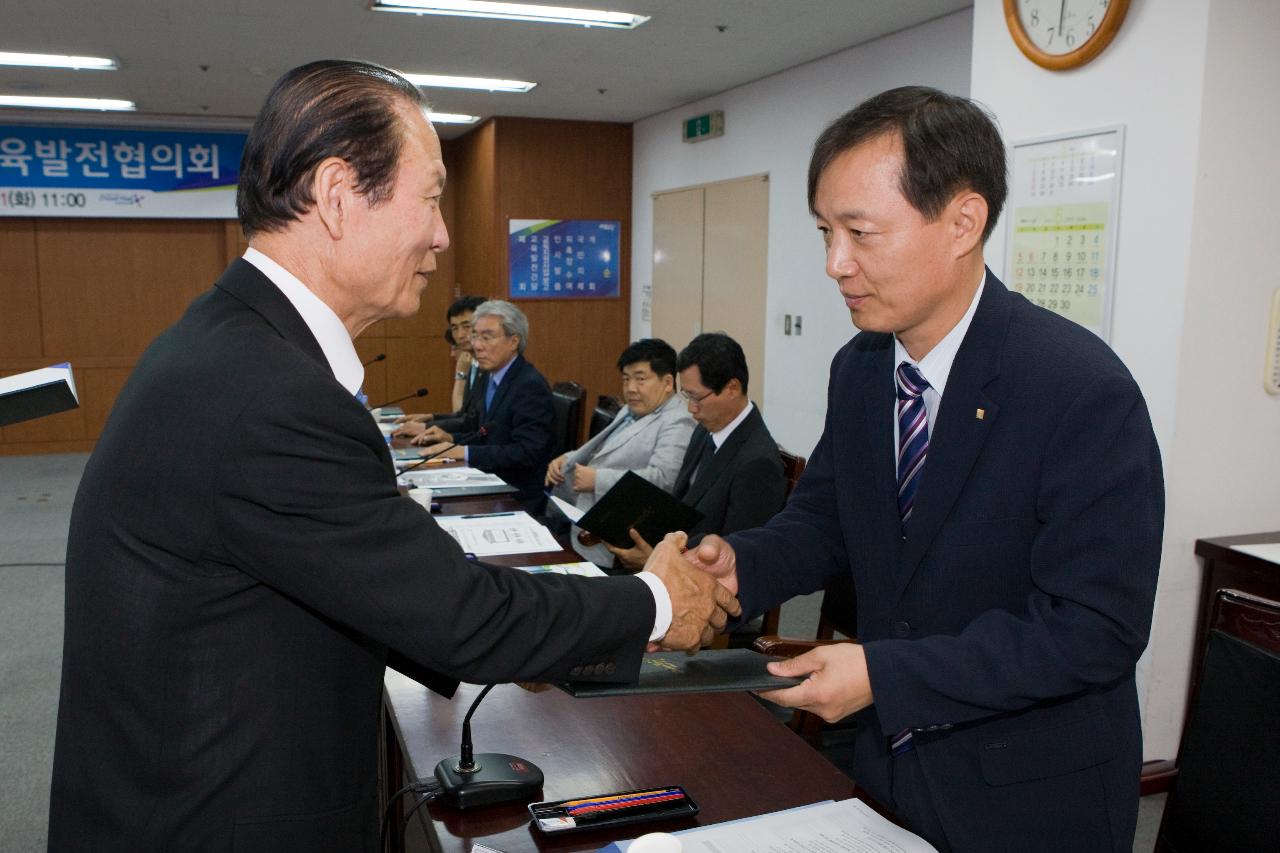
[
  {"x": 606, "y": 409},
  {"x": 568, "y": 398},
  {"x": 792, "y": 468},
  {"x": 1226, "y": 794}
]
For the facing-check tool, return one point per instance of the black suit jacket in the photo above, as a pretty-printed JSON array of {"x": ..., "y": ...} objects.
[
  {"x": 1005, "y": 627},
  {"x": 744, "y": 484},
  {"x": 452, "y": 421},
  {"x": 239, "y": 564},
  {"x": 518, "y": 444}
]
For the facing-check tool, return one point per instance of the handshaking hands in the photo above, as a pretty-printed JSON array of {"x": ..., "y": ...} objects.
[{"x": 700, "y": 606}]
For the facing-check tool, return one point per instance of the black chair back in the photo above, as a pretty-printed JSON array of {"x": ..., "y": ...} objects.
[
  {"x": 606, "y": 410},
  {"x": 1224, "y": 797},
  {"x": 568, "y": 398}
]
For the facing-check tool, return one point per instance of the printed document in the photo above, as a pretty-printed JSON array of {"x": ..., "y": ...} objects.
[{"x": 494, "y": 533}]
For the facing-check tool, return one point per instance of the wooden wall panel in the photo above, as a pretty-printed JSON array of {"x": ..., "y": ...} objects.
[
  {"x": 477, "y": 243},
  {"x": 19, "y": 290},
  {"x": 569, "y": 170},
  {"x": 108, "y": 287}
]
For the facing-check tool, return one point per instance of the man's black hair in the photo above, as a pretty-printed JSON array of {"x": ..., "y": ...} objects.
[
  {"x": 949, "y": 145},
  {"x": 719, "y": 359},
  {"x": 660, "y": 355}
]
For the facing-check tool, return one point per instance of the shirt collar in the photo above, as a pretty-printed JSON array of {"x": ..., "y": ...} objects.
[
  {"x": 936, "y": 365},
  {"x": 330, "y": 333},
  {"x": 723, "y": 435}
]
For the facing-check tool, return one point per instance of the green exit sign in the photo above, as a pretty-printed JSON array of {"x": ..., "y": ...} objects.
[{"x": 706, "y": 126}]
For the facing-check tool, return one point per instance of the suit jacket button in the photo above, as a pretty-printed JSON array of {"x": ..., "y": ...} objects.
[
  {"x": 901, "y": 630},
  {"x": 575, "y": 672}
]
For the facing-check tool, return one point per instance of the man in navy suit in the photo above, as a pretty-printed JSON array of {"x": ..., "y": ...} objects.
[
  {"x": 988, "y": 475},
  {"x": 508, "y": 430}
]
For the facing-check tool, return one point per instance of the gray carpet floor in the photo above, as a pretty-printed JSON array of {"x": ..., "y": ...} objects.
[{"x": 36, "y": 493}]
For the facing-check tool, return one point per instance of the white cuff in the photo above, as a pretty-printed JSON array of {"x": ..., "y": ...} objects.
[{"x": 662, "y": 605}]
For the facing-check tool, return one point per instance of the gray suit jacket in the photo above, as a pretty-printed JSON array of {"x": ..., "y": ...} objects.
[{"x": 652, "y": 447}]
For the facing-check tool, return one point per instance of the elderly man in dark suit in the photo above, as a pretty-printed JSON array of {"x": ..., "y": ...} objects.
[
  {"x": 989, "y": 477},
  {"x": 507, "y": 430},
  {"x": 231, "y": 599},
  {"x": 732, "y": 471}
]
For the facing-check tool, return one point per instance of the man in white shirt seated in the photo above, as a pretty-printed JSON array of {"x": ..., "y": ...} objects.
[{"x": 648, "y": 436}]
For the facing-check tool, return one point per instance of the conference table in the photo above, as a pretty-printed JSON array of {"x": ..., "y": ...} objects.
[{"x": 733, "y": 757}]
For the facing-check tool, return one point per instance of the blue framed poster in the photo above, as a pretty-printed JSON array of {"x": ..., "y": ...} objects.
[
  {"x": 563, "y": 259},
  {"x": 82, "y": 171}
]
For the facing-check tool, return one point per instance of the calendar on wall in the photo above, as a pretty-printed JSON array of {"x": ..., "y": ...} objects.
[{"x": 1063, "y": 211}]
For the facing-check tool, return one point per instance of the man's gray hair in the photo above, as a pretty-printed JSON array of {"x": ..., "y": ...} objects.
[{"x": 512, "y": 319}]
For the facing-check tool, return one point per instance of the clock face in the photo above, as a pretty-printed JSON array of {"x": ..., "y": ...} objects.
[{"x": 1059, "y": 27}]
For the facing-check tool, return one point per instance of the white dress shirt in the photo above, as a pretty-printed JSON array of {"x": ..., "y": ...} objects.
[{"x": 722, "y": 435}]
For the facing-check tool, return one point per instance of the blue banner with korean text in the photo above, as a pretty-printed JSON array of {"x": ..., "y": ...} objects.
[
  {"x": 105, "y": 172},
  {"x": 563, "y": 259}
]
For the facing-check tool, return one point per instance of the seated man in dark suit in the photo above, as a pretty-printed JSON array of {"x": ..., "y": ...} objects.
[
  {"x": 508, "y": 432},
  {"x": 466, "y": 373},
  {"x": 732, "y": 472}
]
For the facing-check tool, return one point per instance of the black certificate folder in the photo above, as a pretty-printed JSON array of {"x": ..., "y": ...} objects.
[
  {"x": 709, "y": 671},
  {"x": 37, "y": 393},
  {"x": 635, "y": 502}
]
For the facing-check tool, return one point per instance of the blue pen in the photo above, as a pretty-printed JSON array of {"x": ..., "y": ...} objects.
[{"x": 489, "y": 515}]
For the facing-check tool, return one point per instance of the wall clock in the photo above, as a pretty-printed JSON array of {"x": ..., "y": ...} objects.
[{"x": 1063, "y": 34}]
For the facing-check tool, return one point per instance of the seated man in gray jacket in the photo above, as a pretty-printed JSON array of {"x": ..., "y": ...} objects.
[{"x": 648, "y": 436}]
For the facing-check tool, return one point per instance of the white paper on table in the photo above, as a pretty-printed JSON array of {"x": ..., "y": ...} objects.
[
  {"x": 847, "y": 826},
  {"x": 586, "y": 570},
  {"x": 493, "y": 534},
  {"x": 1269, "y": 551},
  {"x": 570, "y": 511},
  {"x": 451, "y": 477}
]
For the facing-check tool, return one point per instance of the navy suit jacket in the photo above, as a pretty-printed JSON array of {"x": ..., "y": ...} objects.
[
  {"x": 240, "y": 564},
  {"x": 519, "y": 443},
  {"x": 742, "y": 487},
  {"x": 1005, "y": 626}
]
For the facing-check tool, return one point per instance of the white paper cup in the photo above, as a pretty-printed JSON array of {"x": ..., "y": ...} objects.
[
  {"x": 422, "y": 495},
  {"x": 656, "y": 842}
]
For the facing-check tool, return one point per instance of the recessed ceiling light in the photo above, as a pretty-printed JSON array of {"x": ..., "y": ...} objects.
[
  {"x": 65, "y": 103},
  {"x": 514, "y": 12},
  {"x": 451, "y": 118},
  {"x": 50, "y": 60},
  {"x": 487, "y": 84}
]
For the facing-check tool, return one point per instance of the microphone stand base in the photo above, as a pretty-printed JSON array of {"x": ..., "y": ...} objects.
[{"x": 498, "y": 778}]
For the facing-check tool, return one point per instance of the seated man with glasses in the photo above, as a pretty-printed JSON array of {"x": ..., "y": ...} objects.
[
  {"x": 509, "y": 432},
  {"x": 648, "y": 436},
  {"x": 731, "y": 472},
  {"x": 466, "y": 372}
]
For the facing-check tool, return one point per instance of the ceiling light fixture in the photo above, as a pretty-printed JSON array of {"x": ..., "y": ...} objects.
[
  {"x": 451, "y": 118},
  {"x": 485, "y": 84},
  {"x": 514, "y": 12},
  {"x": 66, "y": 103},
  {"x": 50, "y": 60}
]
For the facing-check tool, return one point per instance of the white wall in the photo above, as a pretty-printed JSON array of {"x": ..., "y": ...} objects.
[
  {"x": 1195, "y": 267},
  {"x": 770, "y": 126}
]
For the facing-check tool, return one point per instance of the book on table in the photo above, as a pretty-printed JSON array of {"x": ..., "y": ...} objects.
[{"x": 36, "y": 393}]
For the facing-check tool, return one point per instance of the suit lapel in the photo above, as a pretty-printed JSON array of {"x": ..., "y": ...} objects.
[
  {"x": 959, "y": 432},
  {"x": 247, "y": 283},
  {"x": 723, "y": 458},
  {"x": 877, "y": 413},
  {"x": 500, "y": 395},
  {"x": 697, "y": 442}
]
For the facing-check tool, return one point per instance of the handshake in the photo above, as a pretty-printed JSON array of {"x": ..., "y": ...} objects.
[{"x": 702, "y": 587}]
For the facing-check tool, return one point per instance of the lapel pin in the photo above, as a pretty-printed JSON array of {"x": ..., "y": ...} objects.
[{"x": 981, "y": 413}]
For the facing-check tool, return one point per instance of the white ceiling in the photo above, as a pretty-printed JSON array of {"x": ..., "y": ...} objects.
[{"x": 216, "y": 59}]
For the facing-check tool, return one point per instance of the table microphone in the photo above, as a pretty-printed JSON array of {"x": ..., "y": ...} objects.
[
  {"x": 421, "y": 392},
  {"x": 480, "y": 433},
  {"x": 491, "y": 777},
  {"x": 382, "y": 356}
]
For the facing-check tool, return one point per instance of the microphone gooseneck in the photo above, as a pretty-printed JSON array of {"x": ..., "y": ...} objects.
[{"x": 467, "y": 763}]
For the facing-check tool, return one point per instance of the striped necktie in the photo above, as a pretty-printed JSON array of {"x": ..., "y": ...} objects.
[{"x": 913, "y": 436}]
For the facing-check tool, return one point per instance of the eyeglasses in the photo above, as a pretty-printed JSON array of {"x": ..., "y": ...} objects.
[
  {"x": 487, "y": 337},
  {"x": 689, "y": 398}
]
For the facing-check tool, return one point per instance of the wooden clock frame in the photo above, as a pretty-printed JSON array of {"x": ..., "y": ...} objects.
[{"x": 1065, "y": 61}]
